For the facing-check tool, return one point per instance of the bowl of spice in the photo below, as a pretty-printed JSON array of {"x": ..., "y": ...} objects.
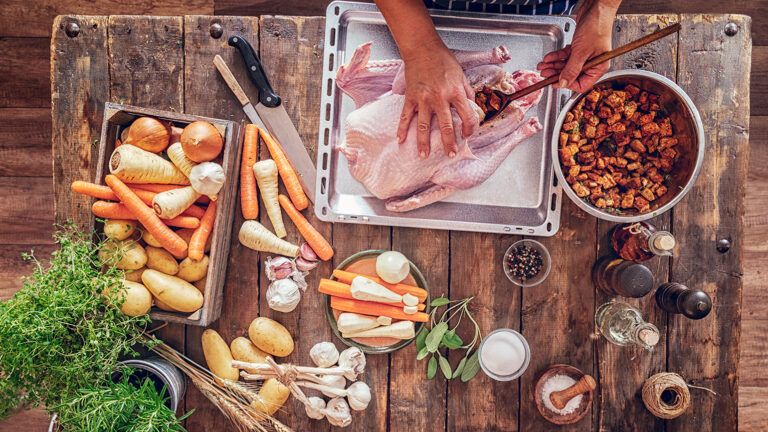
[{"x": 527, "y": 263}]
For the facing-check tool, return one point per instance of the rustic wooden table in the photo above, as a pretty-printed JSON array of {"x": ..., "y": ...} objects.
[{"x": 166, "y": 63}]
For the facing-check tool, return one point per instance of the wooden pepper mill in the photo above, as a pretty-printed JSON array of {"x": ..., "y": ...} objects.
[
  {"x": 677, "y": 298},
  {"x": 560, "y": 398}
]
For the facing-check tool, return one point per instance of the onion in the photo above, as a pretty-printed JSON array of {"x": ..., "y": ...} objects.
[
  {"x": 392, "y": 266},
  {"x": 148, "y": 133},
  {"x": 201, "y": 141}
]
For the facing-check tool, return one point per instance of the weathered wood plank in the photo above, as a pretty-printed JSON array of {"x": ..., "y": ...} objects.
[
  {"x": 753, "y": 360},
  {"x": 261, "y": 7},
  {"x": 713, "y": 69},
  {"x": 28, "y": 213},
  {"x": 80, "y": 79},
  {"x": 25, "y": 142},
  {"x": 623, "y": 370},
  {"x": 291, "y": 51},
  {"x": 13, "y": 267},
  {"x": 146, "y": 69},
  {"x": 35, "y": 420},
  {"x": 25, "y": 71},
  {"x": 758, "y": 83},
  {"x": 484, "y": 404},
  {"x": 416, "y": 403},
  {"x": 206, "y": 94},
  {"x": 25, "y": 18},
  {"x": 753, "y": 409}
]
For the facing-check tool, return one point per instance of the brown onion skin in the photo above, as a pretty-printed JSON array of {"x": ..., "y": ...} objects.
[
  {"x": 149, "y": 133},
  {"x": 201, "y": 141}
]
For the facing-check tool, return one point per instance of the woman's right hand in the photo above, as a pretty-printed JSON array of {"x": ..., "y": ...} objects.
[{"x": 435, "y": 83}]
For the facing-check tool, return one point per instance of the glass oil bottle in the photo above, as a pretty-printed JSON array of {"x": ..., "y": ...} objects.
[
  {"x": 641, "y": 241},
  {"x": 623, "y": 325}
]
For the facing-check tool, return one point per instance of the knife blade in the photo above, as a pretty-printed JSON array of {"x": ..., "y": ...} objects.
[
  {"x": 233, "y": 85},
  {"x": 271, "y": 111}
]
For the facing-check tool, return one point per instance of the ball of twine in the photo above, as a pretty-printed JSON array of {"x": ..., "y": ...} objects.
[{"x": 666, "y": 395}]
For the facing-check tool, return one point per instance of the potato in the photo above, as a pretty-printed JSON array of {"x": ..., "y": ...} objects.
[
  {"x": 150, "y": 239},
  {"x": 134, "y": 275},
  {"x": 244, "y": 350},
  {"x": 186, "y": 234},
  {"x": 191, "y": 270},
  {"x": 176, "y": 293},
  {"x": 161, "y": 260},
  {"x": 119, "y": 229},
  {"x": 271, "y": 337},
  {"x": 163, "y": 306},
  {"x": 123, "y": 254},
  {"x": 272, "y": 396},
  {"x": 218, "y": 357},
  {"x": 137, "y": 300}
]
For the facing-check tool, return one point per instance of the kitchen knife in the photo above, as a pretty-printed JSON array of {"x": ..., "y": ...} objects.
[{"x": 271, "y": 110}]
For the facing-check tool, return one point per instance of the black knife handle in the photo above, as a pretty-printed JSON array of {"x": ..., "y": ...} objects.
[{"x": 267, "y": 96}]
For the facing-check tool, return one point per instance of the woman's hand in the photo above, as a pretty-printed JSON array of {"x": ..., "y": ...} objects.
[
  {"x": 592, "y": 37},
  {"x": 435, "y": 82}
]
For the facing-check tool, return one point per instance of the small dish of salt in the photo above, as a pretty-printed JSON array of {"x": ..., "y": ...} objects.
[{"x": 563, "y": 394}]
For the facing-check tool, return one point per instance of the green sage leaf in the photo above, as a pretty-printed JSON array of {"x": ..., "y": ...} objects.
[
  {"x": 431, "y": 368},
  {"x": 421, "y": 339},
  {"x": 471, "y": 368},
  {"x": 424, "y": 352},
  {"x": 435, "y": 336},
  {"x": 459, "y": 368},
  {"x": 440, "y": 301},
  {"x": 451, "y": 340},
  {"x": 445, "y": 367}
]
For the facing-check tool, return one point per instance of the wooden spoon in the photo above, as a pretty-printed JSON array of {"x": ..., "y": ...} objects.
[{"x": 560, "y": 398}]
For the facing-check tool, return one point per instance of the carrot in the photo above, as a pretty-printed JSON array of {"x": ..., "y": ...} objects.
[
  {"x": 316, "y": 241},
  {"x": 200, "y": 236},
  {"x": 249, "y": 201},
  {"x": 266, "y": 176},
  {"x": 105, "y": 193},
  {"x": 286, "y": 171},
  {"x": 169, "y": 239},
  {"x": 375, "y": 309},
  {"x": 402, "y": 289},
  {"x": 113, "y": 210},
  {"x": 338, "y": 289}
]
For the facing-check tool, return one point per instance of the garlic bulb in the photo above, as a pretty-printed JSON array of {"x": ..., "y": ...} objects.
[
  {"x": 207, "y": 178},
  {"x": 283, "y": 295},
  {"x": 324, "y": 354},
  {"x": 308, "y": 253},
  {"x": 358, "y": 395},
  {"x": 337, "y": 412},
  {"x": 335, "y": 381},
  {"x": 278, "y": 268},
  {"x": 316, "y": 408},
  {"x": 392, "y": 266},
  {"x": 354, "y": 359}
]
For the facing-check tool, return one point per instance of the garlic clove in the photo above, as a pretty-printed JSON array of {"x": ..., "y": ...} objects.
[
  {"x": 316, "y": 408},
  {"x": 283, "y": 295},
  {"x": 337, "y": 412},
  {"x": 335, "y": 381},
  {"x": 304, "y": 265},
  {"x": 324, "y": 354},
  {"x": 354, "y": 359},
  {"x": 358, "y": 395},
  {"x": 308, "y": 253},
  {"x": 278, "y": 268}
]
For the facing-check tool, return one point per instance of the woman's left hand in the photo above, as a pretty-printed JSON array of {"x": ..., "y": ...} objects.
[{"x": 592, "y": 37}]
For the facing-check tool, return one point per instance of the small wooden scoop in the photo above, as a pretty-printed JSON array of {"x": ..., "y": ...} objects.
[{"x": 560, "y": 398}]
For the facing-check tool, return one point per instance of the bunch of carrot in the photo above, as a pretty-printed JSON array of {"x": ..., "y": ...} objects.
[
  {"x": 263, "y": 175},
  {"x": 343, "y": 301},
  {"x": 118, "y": 200}
]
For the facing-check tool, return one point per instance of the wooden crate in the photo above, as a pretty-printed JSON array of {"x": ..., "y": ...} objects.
[{"x": 116, "y": 117}]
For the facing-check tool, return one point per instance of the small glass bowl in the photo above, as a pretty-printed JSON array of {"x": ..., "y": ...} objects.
[
  {"x": 546, "y": 265},
  {"x": 517, "y": 373}
]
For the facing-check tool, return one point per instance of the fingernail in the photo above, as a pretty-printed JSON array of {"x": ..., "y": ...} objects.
[
  {"x": 563, "y": 83},
  {"x": 452, "y": 154},
  {"x": 422, "y": 154}
]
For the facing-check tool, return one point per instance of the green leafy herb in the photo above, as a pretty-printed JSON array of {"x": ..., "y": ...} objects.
[
  {"x": 119, "y": 407},
  {"x": 58, "y": 335},
  {"x": 439, "y": 338}
]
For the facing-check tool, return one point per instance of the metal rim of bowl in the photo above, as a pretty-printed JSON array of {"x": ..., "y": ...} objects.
[
  {"x": 546, "y": 257},
  {"x": 698, "y": 126},
  {"x": 421, "y": 282}
]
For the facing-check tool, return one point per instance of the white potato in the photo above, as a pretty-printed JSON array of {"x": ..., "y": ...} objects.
[
  {"x": 123, "y": 254},
  {"x": 271, "y": 337},
  {"x": 218, "y": 357},
  {"x": 136, "y": 299},
  {"x": 174, "y": 292},
  {"x": 119, "y": 229},
  {"x": 193, "y": 271},
  {"x": 161, "y": 260}
]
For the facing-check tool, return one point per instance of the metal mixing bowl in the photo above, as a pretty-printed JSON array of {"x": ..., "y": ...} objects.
[{"x": 688, "y": 129}]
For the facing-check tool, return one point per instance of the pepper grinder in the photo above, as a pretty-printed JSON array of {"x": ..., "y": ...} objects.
[
  {"x": 679, "y": 299},
  {"x": 616, "y": 276},
  {"x": 560, "y": 398}
]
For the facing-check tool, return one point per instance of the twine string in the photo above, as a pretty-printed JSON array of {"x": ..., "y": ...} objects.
[{"x": 667, "y": 395}]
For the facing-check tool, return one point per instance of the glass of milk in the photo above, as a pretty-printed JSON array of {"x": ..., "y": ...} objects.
[{"x": 504, "y": 354}]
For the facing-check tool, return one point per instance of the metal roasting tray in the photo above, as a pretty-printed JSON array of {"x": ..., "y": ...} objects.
[{"x": 521, "y": 197}]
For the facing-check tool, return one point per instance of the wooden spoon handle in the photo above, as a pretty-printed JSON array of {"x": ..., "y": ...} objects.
[{"x": 560, "y": 398}]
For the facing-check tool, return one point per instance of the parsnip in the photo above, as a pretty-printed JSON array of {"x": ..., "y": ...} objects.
[
  {"x": 266, "y": 177},
  {"x": 177, "y": 156},
  {"x": 257, "y": 237},
  {"x": 172, "y": 203},
  {"x": 134, "y": 165},
  {"x": 349, "y": 322},
  {"x": 399, "y": 330},
  {"x": 363, "y": 288}
]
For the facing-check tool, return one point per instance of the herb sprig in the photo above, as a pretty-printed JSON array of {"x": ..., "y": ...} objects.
[{"x": 439, "y": 338}]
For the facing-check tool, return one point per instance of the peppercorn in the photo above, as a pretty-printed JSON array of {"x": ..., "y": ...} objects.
[{"x": 524, "y": 262}]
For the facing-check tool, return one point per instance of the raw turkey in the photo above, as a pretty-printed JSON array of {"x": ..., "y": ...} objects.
[{"x": 393, "y": 171}]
